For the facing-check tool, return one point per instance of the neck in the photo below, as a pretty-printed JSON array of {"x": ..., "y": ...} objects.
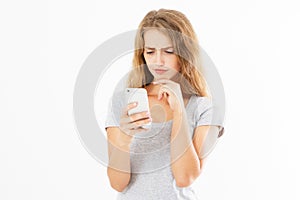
[{"x": 152, "y": 89}]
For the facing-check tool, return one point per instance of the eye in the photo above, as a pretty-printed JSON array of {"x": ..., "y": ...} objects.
[
  {"x": 149, "y": 52},
  {"x": 169, "y": 51}
]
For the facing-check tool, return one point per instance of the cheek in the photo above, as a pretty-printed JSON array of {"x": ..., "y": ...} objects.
[
  {"x": 174, "y": 64},
  {"x": 178, "y": 67},
  {"x": 147, "y": 59}
]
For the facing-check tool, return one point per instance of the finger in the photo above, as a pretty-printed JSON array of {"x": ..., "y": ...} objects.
[
  {"x": 125, "y": 128},
  {"x": 165, "y": 95},
  {"x": 139, "y": 116},
  {"x": 163, "y": 92},
  {"x": 124, "y": 121},
  {"x": 139, "y": 123},
  {"x": 128, "y": 107},
  {"x": 160, "y": 94}
]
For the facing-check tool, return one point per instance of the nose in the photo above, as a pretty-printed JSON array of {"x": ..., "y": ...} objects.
[{"x": 159, "y": 60}]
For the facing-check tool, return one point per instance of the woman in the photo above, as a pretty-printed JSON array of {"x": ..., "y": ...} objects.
[{"x": 163, "y": 161}]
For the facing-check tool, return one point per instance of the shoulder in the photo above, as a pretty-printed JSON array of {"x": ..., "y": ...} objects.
[
  {"x": 118, "y": 94},
  {"x": 200, "y": 103},
  {"x": 117, "y": 101},
  {"x": 117, "y": 97},
  {"x": 200, "y": 99}
]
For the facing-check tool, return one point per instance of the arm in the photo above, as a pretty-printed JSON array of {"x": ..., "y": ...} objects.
[
  {"x": 186, "y": 155},
  {"x": 118, "y": 169},
  {"x": 204, "y": 140},
  {"x": 189, "y": 165},
  {"x": 119, "y": 140},
  {"x": 185, "y": 162}
]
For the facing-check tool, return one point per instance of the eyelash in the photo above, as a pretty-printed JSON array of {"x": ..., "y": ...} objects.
[{"x": 169, "y": 52}]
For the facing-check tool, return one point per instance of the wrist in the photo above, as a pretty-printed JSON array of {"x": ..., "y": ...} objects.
[
  {"x": 178, "y": 111},
  {"x": 124, "y": 141},
  {"x": 179, "y": 106}
]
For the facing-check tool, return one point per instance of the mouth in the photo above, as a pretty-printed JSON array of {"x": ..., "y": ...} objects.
[{"x": 160, "y": 71}]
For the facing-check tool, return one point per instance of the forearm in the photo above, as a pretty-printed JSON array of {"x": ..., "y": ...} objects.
[
  {"x": 118, "y": 169},
  {"x": 184, "y": 158}
]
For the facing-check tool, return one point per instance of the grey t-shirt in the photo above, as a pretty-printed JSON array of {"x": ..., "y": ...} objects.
[{"x": 151, "y": 175}]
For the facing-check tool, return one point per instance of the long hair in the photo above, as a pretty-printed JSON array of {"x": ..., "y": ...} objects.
[{"x": 186, "y": 47}]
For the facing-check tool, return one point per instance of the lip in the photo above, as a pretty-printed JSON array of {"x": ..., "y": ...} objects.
[{"x": 160, "y": 71}]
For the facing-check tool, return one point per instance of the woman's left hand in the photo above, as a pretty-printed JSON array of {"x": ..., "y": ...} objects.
[{"x": 171, "y": 90}]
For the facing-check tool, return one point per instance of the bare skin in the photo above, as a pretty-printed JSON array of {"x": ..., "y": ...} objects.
[
  {"x": 159, "y": 109},
  {"x": 165, "y": 102}
]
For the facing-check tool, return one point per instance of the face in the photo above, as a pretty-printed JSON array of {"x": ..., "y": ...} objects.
[{"x": 159, "y": 54}]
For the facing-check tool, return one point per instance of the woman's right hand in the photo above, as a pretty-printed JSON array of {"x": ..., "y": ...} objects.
[{"x": 132, "y": 124}]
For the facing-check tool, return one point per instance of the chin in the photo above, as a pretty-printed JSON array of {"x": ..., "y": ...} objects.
[{"x": 161, "y": 77}]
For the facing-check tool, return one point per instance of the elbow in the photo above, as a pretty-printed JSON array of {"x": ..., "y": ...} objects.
[
  {"x": 117, "y": 187},
  {"x": 187, "y": 180},
  {"x": 118, "y": 181},
  {"x": 184, "y": 182}
]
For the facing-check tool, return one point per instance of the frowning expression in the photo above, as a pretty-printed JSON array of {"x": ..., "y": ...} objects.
[{"x": 159, "y": 54}]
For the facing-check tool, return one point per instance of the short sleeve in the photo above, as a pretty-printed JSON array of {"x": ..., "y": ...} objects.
[
  {"x": 114, "y": 110},
  {"x": 209, "y": 114}
]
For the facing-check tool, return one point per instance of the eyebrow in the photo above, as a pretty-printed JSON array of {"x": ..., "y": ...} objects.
[{"x": 152, "y": 48}]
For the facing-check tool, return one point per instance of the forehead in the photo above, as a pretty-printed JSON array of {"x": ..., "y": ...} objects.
[{"x": 156, "y": 39}]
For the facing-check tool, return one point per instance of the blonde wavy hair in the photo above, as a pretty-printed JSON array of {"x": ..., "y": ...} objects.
[{"x": 186, "y": 47}]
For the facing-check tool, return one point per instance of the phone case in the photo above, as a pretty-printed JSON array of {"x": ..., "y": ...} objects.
[{"x": 137, "y": 95}]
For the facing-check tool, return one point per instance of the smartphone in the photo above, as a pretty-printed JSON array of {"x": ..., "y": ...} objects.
[{"x": 140, "y": 96}]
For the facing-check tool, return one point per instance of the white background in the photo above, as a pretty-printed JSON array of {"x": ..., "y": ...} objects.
[{"x": 254, "y": 45}]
